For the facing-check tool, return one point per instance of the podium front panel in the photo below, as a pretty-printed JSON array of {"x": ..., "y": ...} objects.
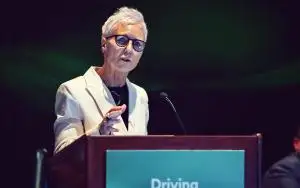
[{"x": 175, "y": 168}]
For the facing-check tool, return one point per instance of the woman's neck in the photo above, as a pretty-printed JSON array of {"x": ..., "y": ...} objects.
[{"x": 110, "y": 77}]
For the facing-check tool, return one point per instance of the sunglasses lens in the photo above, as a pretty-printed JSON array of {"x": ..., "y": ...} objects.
[
  {"x": 122, "y": 40},
  {"x": 138, "y": 45}
]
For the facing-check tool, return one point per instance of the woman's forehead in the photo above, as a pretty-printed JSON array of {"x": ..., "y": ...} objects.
[{"x": 131, "y": 30}]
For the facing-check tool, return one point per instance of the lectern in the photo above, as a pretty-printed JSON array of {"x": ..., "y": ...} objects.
[{"x": 158, "y": 162}]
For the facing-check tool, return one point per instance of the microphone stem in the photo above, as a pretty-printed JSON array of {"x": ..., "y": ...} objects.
[{"x": 177, "y": 116}]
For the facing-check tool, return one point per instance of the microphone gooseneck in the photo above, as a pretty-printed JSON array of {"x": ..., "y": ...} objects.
[{"x": 164, "y": 96}]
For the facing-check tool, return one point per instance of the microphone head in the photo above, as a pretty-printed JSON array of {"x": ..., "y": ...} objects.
[{"x": 163, "y": 95}]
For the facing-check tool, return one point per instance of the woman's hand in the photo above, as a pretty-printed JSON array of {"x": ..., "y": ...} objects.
[{"x": 111, "y": 118}]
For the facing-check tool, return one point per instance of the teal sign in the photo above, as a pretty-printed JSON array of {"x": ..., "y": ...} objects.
[{"x": 175, "y": 168}]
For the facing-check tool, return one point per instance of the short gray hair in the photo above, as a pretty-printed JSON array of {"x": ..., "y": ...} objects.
[{"x": 124, "y": 15}]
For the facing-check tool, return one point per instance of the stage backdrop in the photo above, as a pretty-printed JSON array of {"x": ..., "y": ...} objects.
[{"x": 229, "y": 68}]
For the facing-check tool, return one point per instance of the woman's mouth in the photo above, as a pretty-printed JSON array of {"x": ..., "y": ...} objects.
[{"x": 125, "y": 59}]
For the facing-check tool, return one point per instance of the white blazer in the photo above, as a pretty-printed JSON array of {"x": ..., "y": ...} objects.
[{"x": 82, "y": 102}]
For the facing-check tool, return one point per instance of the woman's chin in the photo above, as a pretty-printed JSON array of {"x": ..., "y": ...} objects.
[{"x": 124, "y": 67}]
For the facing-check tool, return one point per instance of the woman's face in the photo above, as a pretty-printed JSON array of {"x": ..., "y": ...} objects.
[{"x": 123, "y": 58}]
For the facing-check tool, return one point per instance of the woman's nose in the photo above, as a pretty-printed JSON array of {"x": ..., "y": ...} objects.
[{"x": 129, "y": 47}]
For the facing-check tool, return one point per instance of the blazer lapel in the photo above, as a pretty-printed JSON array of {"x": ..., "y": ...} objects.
[{"x": 102, "y": 97}]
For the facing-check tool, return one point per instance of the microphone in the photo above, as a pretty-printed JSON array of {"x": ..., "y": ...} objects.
[
  {"x": 39, "y": 171},
  {"x": 164, "y": 96}
]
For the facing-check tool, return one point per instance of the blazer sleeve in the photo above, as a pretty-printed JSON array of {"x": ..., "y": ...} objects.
[
  {"x": 146, "y": 103},
  {"x": 146, "y": 118},
  {"x": 68, "y": 125}
]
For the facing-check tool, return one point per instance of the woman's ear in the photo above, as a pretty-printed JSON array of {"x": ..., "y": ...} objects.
[{"x": 103, "y": 44}]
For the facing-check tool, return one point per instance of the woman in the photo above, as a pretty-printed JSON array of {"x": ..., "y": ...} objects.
[{"x": 103, "y": 101}]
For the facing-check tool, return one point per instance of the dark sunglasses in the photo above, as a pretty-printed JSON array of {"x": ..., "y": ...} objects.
[{"x": 123, "y": 40}]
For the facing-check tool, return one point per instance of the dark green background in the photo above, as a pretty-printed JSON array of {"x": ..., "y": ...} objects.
[{"x": 230, "y": 67}]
